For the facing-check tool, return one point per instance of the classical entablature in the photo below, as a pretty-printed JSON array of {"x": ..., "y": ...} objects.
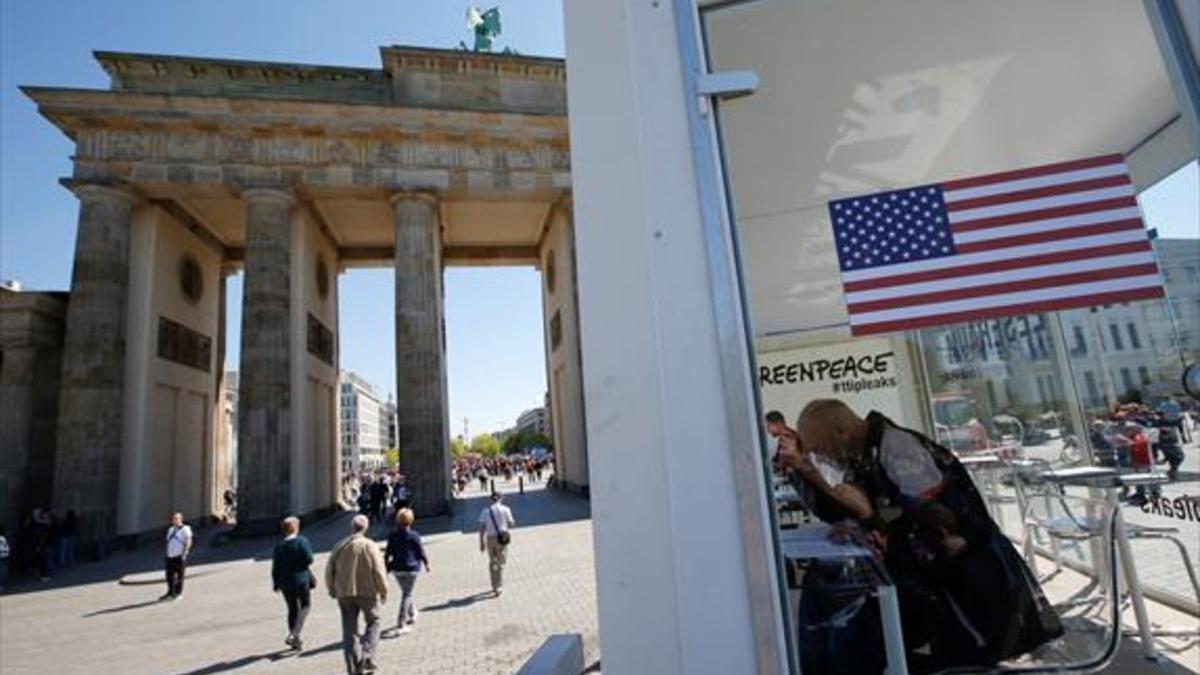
[{"x": 487, "y": 134}]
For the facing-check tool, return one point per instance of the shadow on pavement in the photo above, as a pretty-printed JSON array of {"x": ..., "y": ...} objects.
[
  {"x": 237, "y": 664},
  {"x": 459, "y": 602},
  {"x": 213, "y": 546},
  {"x": 122, "y": 608},
  {"x": 331, "y": 647},
  {"x": 536, "y": 507}
]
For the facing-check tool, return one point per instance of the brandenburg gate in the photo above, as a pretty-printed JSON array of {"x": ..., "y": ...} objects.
[{"x": 190, "y": 169}]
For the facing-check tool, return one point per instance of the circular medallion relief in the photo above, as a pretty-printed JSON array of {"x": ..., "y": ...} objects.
[
  {"x": 191, "y": 279},
  {"x": 550, "y": 271},
  {"x": 322, "y": 272}
]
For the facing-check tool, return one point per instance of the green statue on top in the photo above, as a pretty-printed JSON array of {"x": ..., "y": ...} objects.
[{"x": 486, "y": 26}]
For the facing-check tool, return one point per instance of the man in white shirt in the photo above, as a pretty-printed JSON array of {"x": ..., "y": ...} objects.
[
  {"x": 494, "y": 522},
  {"x": 179, "y": 545}
]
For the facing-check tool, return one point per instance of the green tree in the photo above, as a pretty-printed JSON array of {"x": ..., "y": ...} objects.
[
  {"x": 391, "y": 458},
  {"x": 458, "y": 447},
  {"x": 512, "y": 444},
  {"x": 485, "y": 444},
  {"x": 537, "y": 440}
]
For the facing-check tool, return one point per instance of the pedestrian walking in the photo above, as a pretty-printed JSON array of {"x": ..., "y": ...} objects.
[
  {"x": 404, "y": 557},
  {"x": 179, "y": 545},
  {"x": 356, "y": 577},
  {"x": 290, "y": 575},
  {"x": 495, "y": 520},
  {"x": 68, "y": 539},
  {"x": 379, "y": 495}
]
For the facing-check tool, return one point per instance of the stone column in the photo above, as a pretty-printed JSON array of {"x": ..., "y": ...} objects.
[
  {"x": 421, "y": 422},
  {"x": 16, "y": 419},
  {"x": 88, "y": 461},
  {"x": 264, "y": 399}
]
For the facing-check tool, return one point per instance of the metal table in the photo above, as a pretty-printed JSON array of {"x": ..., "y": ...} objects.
[
  {"x": 1111, "y": 481},
  {"x": 812, "y": 542}
]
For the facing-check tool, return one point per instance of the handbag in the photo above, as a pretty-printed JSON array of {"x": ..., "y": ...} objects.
[{"x": 502, "y": 536}]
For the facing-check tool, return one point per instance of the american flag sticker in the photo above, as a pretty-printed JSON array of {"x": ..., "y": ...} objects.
[{"x": 1046, "y": 238}]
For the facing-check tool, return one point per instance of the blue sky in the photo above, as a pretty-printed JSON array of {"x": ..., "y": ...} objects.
[
  {"x": 494, "y": 330},
  {"x": 493, "y": 315}
]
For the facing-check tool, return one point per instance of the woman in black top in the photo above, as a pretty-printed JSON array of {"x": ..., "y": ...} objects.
[
  {"x": 404, "y": 557},
  {"x": 291, "y": 576}
]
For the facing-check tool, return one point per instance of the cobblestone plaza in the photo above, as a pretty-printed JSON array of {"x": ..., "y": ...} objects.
[{"x": 228, "y": 620}]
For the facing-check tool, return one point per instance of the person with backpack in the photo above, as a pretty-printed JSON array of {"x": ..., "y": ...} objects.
[
  {"x": 291, "y": 576},
  {"x": 495, "y": 520}
]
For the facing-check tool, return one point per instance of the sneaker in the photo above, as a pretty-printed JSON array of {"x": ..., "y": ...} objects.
[
  {"x": 297, "y": 645},
  {"x": 412, "y": 617},
  {"x": 404, "y": 631},
  {"x": 366, "y": 666},
  {"x": 166, "y": 596}
]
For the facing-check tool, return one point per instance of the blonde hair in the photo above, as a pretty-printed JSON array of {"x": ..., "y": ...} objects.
[
  {"x": 290, "y": 525},
  {"x": 830, "y": 412},
  {"x": 823, "y": 419},
  {"x": 405, "y": 517}
]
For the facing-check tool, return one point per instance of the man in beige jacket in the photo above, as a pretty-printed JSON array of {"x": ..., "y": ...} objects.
[{"x": 357, "y": 578}]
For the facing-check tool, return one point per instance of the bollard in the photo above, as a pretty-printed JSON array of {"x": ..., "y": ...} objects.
[
  {"x": 493, "y": 481},
  {"x": 521, "y": 483}
]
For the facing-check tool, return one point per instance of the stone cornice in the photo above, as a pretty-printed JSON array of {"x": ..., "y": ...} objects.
[
  {"x": 128, "y": 64},
  {"x": 414, "y": 195},
  {"x": 74, "y": 110},
  {"x": 105, "y": 192},
  {"x": 399, "y": 57},
  {"x": 414, "y": 77}
]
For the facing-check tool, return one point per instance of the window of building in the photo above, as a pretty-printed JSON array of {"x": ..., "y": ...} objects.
[
  {"x": 1127, "y": 381},
  {"x": 1115, "y": 332},
  {"x": 1080, "y": 347},
  {"x": 1093, "y": 392},
  {"x": 1134, "y": 341},
  {"x": 1144, "y": 375}
]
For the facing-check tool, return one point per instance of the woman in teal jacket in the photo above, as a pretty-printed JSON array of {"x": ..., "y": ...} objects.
[{"x": 291, "y": 576}]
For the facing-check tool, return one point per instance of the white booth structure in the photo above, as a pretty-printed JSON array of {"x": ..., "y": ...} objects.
[{"x": 708, "y": 140}]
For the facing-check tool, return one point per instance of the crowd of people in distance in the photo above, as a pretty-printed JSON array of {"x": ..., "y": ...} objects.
[
  {"x": 1137, "y": 437},
  {"x": 374, "y": 493},
  {"x": 966, "y": 596},
  {"x": 529, "y": 469},
  {"x": 45, "y": 543}
]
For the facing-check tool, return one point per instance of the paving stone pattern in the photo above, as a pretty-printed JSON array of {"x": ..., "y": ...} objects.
[{"x": 229, "y": 621}]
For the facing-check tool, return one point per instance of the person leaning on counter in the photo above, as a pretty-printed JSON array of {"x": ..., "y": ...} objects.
[{"x": 966, "y": 596}]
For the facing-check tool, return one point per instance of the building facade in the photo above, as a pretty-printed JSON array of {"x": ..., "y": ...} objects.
[
  {"x": 189, "y": 170},
  {"x": 534, "y": 420},
  {"x": 365, "y": 422}
]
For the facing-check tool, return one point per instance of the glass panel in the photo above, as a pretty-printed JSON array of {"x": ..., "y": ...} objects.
[{"x": 887, "y": 100}]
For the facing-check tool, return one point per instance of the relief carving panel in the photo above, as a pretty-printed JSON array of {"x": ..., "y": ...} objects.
[
  {"x": 179, "y": 344},
  {"x": 320, "y": 340}
]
